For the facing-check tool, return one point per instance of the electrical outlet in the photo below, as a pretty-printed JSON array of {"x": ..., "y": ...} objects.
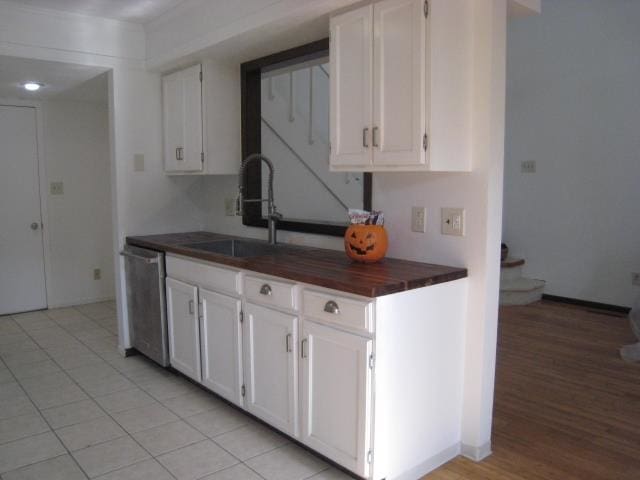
[
  {"x": 230, "y": 207},
  {"x": 56, "y": 188},
  {"x": 452, "y": 221},
  {"x": 528, "y": 166},
  {"x": 97, "y": 274},
  {"x": 635, "y": 279},
  {"x": 418, "y": 219}
]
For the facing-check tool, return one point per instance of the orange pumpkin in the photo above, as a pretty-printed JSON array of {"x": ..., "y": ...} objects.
[{"x": 366, "y": 243}]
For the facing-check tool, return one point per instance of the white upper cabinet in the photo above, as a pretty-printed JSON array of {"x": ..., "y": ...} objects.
[
  {"x": 201, "y": 120},
  {"x": 182, "y": 120},
  {"x": 351, "y": 61},
  {"x": 400, "y": 87},
  {"x": 399, "y": 66}
]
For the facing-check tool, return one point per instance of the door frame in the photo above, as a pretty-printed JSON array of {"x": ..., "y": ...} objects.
[{"x": 42, "y": 183}]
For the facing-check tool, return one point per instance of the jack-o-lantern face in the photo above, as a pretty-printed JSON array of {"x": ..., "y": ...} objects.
[{"x": 365, "y": 243}]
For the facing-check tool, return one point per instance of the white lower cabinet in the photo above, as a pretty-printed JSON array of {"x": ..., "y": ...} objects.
[
  {"x": 184, "y": 331},
  {"x": 271, "y": 366},
  {"x": 221, "y": 334},
  {"x": 305, "y": 360},
  {"x": 336, "y": 395}
]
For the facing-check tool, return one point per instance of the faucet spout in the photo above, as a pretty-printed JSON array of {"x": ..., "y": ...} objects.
[{"x": 272, "y": 213}]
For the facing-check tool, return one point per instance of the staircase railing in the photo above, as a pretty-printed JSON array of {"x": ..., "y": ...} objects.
[{"x": 304, "y": 163}]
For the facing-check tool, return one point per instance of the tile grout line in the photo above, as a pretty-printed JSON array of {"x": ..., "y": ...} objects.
[
  {"x": 50, "y": 429},
  {"x": 107, "y": 414},
  {"x": 69, "y": 452}
]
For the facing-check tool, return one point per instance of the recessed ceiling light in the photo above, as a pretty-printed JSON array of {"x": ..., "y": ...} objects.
[{"x": 32, "y": 86}]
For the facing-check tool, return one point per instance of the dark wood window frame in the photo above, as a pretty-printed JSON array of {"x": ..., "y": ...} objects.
[{"x": 251, "y": 75}]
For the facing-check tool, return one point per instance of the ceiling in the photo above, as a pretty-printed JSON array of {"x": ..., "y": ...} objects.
[
  {"x": 62, "y": 81},
  {"x": 138, "y": 11}
]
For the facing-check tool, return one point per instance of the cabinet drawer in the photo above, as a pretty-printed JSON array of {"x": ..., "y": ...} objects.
[
  {"x": 348, "y": 312},
  {"x": 204, "y": 275},
  {"x": 271, "y": 292}
]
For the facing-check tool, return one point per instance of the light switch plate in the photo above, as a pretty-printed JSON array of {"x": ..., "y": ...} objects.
[
  {"x": 138, "y": 162},
  {"x": 528, "y": 166},
  {"x": 453, "y": 221},
  {"x": 418, "y": 219},
  {"x": 56, "y": 188}
]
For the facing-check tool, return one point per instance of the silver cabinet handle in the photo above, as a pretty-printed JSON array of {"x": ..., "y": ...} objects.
[
  {"x": 138, "y": 257},
  {"x": 375, "y": 136},
  {"x": 191, "y": 307},
  {"x": 288, "y": 342},
  {"x": 365, "y": 134},
  {"x": 266, "y": 290},
  {"x": 179, "y": 153},
  {"x": 303, "y": 348},
  {"x": 331, "y": 307},
  {"x": 34, "y": 226}
]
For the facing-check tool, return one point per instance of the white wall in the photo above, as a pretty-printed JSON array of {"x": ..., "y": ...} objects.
[
  {"x": 76, "y": 152},
  {"x": 573, "y": 106},
  {"x": 142, "y": 202}
]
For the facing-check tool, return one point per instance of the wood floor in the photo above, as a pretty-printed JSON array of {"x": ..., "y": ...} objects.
[{"x": 566, "y": 406}]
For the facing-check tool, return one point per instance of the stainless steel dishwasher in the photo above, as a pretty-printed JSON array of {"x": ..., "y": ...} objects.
[{"x": 144, "y": 270}]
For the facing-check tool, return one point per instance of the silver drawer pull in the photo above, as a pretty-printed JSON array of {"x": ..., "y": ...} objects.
[
  {"x": 288, "y": 342},
  {"x": 266, "y": 290},
  {"x": 303, "y": 348},
  {"x": 331, "y": 307}
]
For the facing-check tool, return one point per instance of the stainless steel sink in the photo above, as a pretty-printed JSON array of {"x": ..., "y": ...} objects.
[{"x": 239, "y": 248}]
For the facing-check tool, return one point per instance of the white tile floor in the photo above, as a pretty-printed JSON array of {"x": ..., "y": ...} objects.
[{"x": 72, "y": 408}]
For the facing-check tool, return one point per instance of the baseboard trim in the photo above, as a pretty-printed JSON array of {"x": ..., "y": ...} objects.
[
  {"x": 475, "y": 453},
  {"x": 127, "y": 352},
  {"x": 82, "y": 301},
  {"x": 586, "y": 303},
  {"x": 431, "y": 464}
]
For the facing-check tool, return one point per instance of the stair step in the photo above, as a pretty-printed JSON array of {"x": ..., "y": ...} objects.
[
  {"x": 521, "y": 291},
  {"x": 522, "y": 285},
  {"x": 512, "y": 262}
]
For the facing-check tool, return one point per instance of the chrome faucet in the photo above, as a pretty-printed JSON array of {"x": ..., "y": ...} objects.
[{"x": 272, "y": 213}]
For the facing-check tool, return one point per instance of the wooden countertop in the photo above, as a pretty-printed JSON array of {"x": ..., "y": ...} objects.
[{"x": 315, "y": 266}]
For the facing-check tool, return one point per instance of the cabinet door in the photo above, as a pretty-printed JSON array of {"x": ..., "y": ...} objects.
[
  {"x": 172, "y": 120},
  {"x": 351, "y": 57},
  {"x": 182, "y": 120},
  {"x": 271, "y": 368},
  {"x": 336, "y": 395},
  {"x": 184, "y": 331},
  {"x": 221, "y": 337},
  {"x": 399, "y": 61}
]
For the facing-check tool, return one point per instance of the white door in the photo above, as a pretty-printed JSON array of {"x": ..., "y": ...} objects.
[
  {"x": 351, "y": 60},
  {"x": 184, "y": 331},
  {"x": 182, "y": 120},
  {"x": 399, "y": 28},
  {"x": 336, "y": 395},
  {"x": 221, "y": 345},
  {"x": 22, "y": 281},
  {"x": 271, "y": 367}
]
